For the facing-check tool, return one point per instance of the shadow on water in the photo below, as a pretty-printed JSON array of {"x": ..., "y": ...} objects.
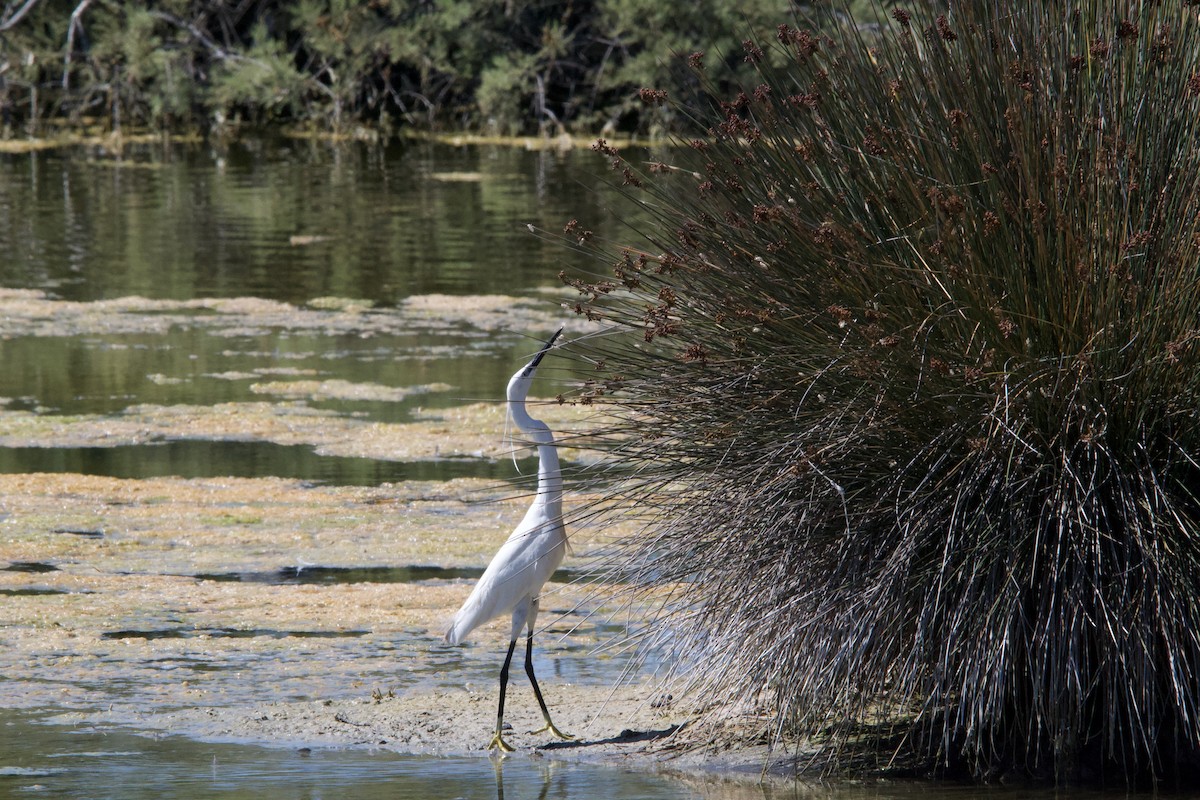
[
  {"x": 38, "y": 760},
  {"x": 31, "y": 567},
  {"x": 626, "y": 736},
  {"x": 204, "y": 458},
  {"x": 30, "y": 592},
  {"x": 324, "y": 576},
  {"x": 232, "y": 633}
]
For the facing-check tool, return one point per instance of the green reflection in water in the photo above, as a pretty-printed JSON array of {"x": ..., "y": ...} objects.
[
  {"x": 105, "y": 375},
  {"x": 381, "y": 223},
  {"x": 181, "y": 223},
  {"x": 38, "y": 760},
  {"x": 53, "y": 761},
  {"x": 203, "y": 458}
]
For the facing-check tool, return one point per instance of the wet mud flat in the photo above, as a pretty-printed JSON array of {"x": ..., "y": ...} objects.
[
  {"x": 103, "y": 577},
  {"x": 283, "y": 613}
]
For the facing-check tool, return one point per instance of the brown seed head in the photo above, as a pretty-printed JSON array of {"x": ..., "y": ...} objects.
[
  {"x": 604, "y": 148},
  {"x": 943, "y": 28},
  {"x": 653, "y": 97}
]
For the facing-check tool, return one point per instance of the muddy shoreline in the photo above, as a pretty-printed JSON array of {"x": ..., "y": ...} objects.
[{"x": 176, "y": 607}]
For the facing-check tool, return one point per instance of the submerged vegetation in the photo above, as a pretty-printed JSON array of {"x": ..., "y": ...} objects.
[
  {"x": 904, "y": 380},
  {"x": 483, "y": 65}
]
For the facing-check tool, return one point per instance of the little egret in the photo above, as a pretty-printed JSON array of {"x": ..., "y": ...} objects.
[{"x": 525, "y": 561}]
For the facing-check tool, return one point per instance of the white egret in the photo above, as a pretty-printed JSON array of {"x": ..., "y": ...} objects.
[{"x": 535, "y": 548}]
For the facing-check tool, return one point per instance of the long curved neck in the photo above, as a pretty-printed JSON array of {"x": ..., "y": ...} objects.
[
  {"x": 550, "y": 476},
  {"x": 549, "y": 488}
]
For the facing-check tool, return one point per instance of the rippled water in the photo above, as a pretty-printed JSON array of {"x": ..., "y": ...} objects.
[
  {"x": 203, "y": 458},
  {"x": 207, "y": 220}
]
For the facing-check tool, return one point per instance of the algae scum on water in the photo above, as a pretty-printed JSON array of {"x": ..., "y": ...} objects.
[{"x": 183, "y": 601}]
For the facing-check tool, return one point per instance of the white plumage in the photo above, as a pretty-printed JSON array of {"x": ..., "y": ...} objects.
[{"x": 514, "y": 578}]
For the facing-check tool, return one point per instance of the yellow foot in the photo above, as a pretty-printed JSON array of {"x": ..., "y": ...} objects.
[
  {"x": 550, "y": 727},
  {"x": 498, "y": 742}
]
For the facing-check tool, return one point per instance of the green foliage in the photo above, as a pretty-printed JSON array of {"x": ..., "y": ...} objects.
[
  {"x": 486, "y": 64},
  {"x": 648, "y": 40},
  {"x": 261, "y": 86},
  {"x": 910, "y": 404},
  {"x": 142, "y": 63},
  {"x": 502, "y": 86}
]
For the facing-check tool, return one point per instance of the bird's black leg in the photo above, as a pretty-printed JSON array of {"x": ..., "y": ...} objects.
[
  {"x": 498, "y": 740},
  {"x": 537, "y": 692}
]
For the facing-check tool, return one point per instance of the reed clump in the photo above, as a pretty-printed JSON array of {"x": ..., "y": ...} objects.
[{"x": 903, "y": 376}]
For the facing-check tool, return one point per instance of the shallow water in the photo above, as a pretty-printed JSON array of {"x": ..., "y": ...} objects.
[
  {"x": 38, "y": 760},
  {"x": 206, "y": 458},
  {"x": 49, "y": 760},
  {"x": 306, "y": 224}
]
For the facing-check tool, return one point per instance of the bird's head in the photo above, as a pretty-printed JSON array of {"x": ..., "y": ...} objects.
[
  {"x": 532, "y": 365},
  {"x": 518, "y": 386}
]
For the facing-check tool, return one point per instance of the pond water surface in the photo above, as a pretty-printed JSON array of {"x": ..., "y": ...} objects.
[
  {"x": 49, "y": 761},
  {"x": 114, "y": 271},
  {"x": 297, "y": 222}
]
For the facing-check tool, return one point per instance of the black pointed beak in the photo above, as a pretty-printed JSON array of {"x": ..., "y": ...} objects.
[{"x": 538, "y": 358}]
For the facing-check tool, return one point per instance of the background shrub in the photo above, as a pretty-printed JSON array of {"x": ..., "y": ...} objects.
[{"x": 464, "y": 64}]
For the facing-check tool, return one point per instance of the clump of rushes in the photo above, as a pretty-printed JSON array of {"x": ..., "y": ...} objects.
[{"x": 905, "y": 379}]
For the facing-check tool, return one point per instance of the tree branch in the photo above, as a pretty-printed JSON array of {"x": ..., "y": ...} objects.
[
  {"x": 76, "y": 15},
  {"x": 16, "y": 17},
  {"x": 200, "y": 36}
]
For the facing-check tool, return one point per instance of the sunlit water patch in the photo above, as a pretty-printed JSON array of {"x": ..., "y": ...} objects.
[
  {"x": 178, "y": 668},
  {"x": 236, "y": 633}
]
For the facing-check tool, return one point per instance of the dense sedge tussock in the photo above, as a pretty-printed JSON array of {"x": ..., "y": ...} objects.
[{"x": 903, "y": 376}]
